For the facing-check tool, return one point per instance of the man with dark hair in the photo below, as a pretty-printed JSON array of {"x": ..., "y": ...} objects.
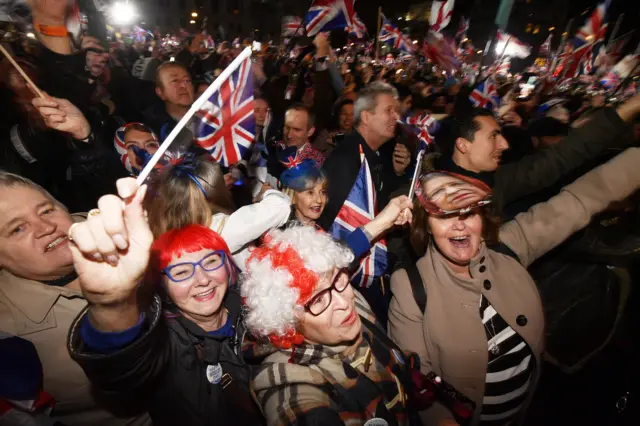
[{"x": 473, "y": 145}]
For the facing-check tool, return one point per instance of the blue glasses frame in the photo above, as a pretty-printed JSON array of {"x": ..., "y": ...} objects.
[{"x": 167, "y": 271}]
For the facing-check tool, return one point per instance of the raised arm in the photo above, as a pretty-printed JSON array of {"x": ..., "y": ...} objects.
[
  {"x": 121, "y": 348},
  {"x": 535, "y": 232},
  {"x": 546, "y": 167}
]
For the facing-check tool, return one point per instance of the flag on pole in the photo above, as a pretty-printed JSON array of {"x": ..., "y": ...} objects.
[
  {"x": 360, "y": 208},
  {"x": 511, "y": 46},
  {"x": 463, "y": 27},
  {"x": 615, "y": 49},
  {"x": 441, "y": 52},
  {"x": 227, "y": 126},
  {"x": 504, "y": 67},
  {"x": 441, "y": 13},
  {"x": 485, "y": 95},
  {"x": 426, "y": 126},
  {"x": 327, "y": 15},
  {"x": 358, "y": 29},
  {"x": 545, "y": 48},
  {"x": 291, "y": 24},
  {"x": 595, "y": 28},
  {"x": 392, "y": 36}
]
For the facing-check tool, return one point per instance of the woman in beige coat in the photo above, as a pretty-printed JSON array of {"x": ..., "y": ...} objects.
[{"x": 483, "y": 327}]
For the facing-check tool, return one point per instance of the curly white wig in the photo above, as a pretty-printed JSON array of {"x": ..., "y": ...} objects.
[{"x": 281, "y": 276}]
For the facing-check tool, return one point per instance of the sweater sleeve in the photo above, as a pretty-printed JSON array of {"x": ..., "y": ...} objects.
[
  {"x": 544, "y": 226},
  {"x": 250, "y": 222},
  {"x": 547, "y": 166}
]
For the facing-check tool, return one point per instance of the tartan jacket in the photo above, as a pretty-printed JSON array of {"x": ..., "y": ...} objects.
[{"x": 321, "y": 385}]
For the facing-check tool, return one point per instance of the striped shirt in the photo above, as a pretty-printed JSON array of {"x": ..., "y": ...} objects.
[{"x": 509, "y": 371}]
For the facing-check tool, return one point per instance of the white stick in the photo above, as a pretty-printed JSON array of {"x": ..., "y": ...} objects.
[
  {"x": 416, "y": 173},
  {"x": 195, "y": 107},
  {"x": 24, "y": 75}
]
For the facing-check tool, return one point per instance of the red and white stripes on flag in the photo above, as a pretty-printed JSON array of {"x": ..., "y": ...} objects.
[
  {"x": 504, "y": 67},
  {"x": 441, "y": 13},
  {"x": 291, "y": 24}
]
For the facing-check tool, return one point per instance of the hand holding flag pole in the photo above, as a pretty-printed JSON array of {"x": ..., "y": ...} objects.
[
  {"x": 195, "y": 107},
  {"x": 24, "y": 75}
]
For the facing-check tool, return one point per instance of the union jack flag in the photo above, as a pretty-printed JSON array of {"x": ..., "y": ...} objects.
[
  {"x": 291, "y": 24},
  {"x": 595, "y": 28},
  {"x": 441, "y": 52},
  {"x": 326, "y": 15},
  {"x": 485, "y": 95},
  {"x": 358, "y": 29},
  {"x": 441, "y": 12},
  {"x": 462, "y": 28},
  {"x": 227, "y": 126},
  {"x": 391, "y": 35},
  {"x": 545, "y": 48},
  {"x": 615, "y": 49},
  {"x": 504, "y": 67},
  {"x": 611, "y": 80},
  {"x": 426, "y": 126},
  {"x": 360, "y": 208}
]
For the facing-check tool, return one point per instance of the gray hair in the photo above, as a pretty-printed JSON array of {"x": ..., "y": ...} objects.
[
  {"x": 11, "y": 180},
  {"x": 368, "y": 98}
]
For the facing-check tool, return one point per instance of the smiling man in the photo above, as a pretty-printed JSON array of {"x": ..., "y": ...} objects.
[
  {"x": 40, "y": 296},
  {"x": 371, "y": 146}
]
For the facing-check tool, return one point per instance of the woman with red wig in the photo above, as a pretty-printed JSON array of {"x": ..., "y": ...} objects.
[
  {"x": 178, "y": 357},
  {"x": 335, "y": 365}
]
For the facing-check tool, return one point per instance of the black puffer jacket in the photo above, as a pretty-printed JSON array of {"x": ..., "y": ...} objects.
[{"x": 165, "y": 371}]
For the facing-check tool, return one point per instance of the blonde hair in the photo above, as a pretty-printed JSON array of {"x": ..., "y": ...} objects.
[{"x": 174, "y": 200}]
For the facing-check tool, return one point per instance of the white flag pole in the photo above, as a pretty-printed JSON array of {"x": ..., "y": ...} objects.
[
  {"x": 195, "y": 107},
  {"x": 416, "y": 173}
]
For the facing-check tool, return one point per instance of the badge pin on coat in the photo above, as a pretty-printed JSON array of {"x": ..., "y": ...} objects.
[{"x": 214, "y": 373}]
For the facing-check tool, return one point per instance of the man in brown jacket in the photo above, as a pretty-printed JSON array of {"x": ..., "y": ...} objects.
[{"x": 40, "y": 297}]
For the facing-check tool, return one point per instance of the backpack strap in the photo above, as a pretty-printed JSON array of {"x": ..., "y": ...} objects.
[{"x": 417, "y": 285}]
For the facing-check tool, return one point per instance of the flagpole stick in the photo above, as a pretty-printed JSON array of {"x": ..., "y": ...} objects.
[
  {"x": 378, "y": 33},
  {"x": 504, "y": 50},
  {"x": 563, "y": 41},
  {"x": 616, "y": 28},
  {"x": 195, "y": 107},
  {"x": 24, "y": 75},
  {"x": 416, "y": 173},
  {"x": 627, "y": 79}
]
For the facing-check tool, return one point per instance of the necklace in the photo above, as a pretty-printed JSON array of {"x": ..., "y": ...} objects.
[{"x": 493, "y": 347}]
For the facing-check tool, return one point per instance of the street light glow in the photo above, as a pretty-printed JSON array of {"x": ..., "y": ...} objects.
[
  {"x": 194, "y": 14},
  {"x": 123, "y": 13},
  {"x": 415, "y": 41},
  {"x": 192, "y": 21},
  {"x": 479, "y": 52}
]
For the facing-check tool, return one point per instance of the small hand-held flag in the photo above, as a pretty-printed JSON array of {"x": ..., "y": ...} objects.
[
  {"x": 327, "y": 15},
  {"x": 228, "y": 119},
  {"x": 394, "y": 37}
]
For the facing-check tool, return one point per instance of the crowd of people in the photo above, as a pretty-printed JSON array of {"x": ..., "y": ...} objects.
[{"x": 301, "y": 285}]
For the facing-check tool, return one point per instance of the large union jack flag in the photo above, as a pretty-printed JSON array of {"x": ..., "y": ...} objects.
[
  {"x": 485, "y": 95},
  {"x": 360, "y": 208},
  {"x": 227, "y": 126},
  {"x": 391, "y": 35},
  {"x": 327, "y": 15}
]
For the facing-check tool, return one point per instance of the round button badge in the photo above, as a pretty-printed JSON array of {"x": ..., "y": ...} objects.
[{"x": 214, "y": 373}]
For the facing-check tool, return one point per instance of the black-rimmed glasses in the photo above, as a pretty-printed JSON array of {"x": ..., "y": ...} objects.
[
  {"x": 321, "y": 301},
  {"x": 185, "y": 270}
]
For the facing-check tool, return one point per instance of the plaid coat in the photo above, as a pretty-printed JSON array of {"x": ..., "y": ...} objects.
[{"x": 322, "y": 385}]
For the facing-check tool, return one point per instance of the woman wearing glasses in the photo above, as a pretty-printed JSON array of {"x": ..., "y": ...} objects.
[
  {"x": 178, "y": 357},
  {"x": 334, "y": 366},
  {"x": 483, "y": 327}
]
